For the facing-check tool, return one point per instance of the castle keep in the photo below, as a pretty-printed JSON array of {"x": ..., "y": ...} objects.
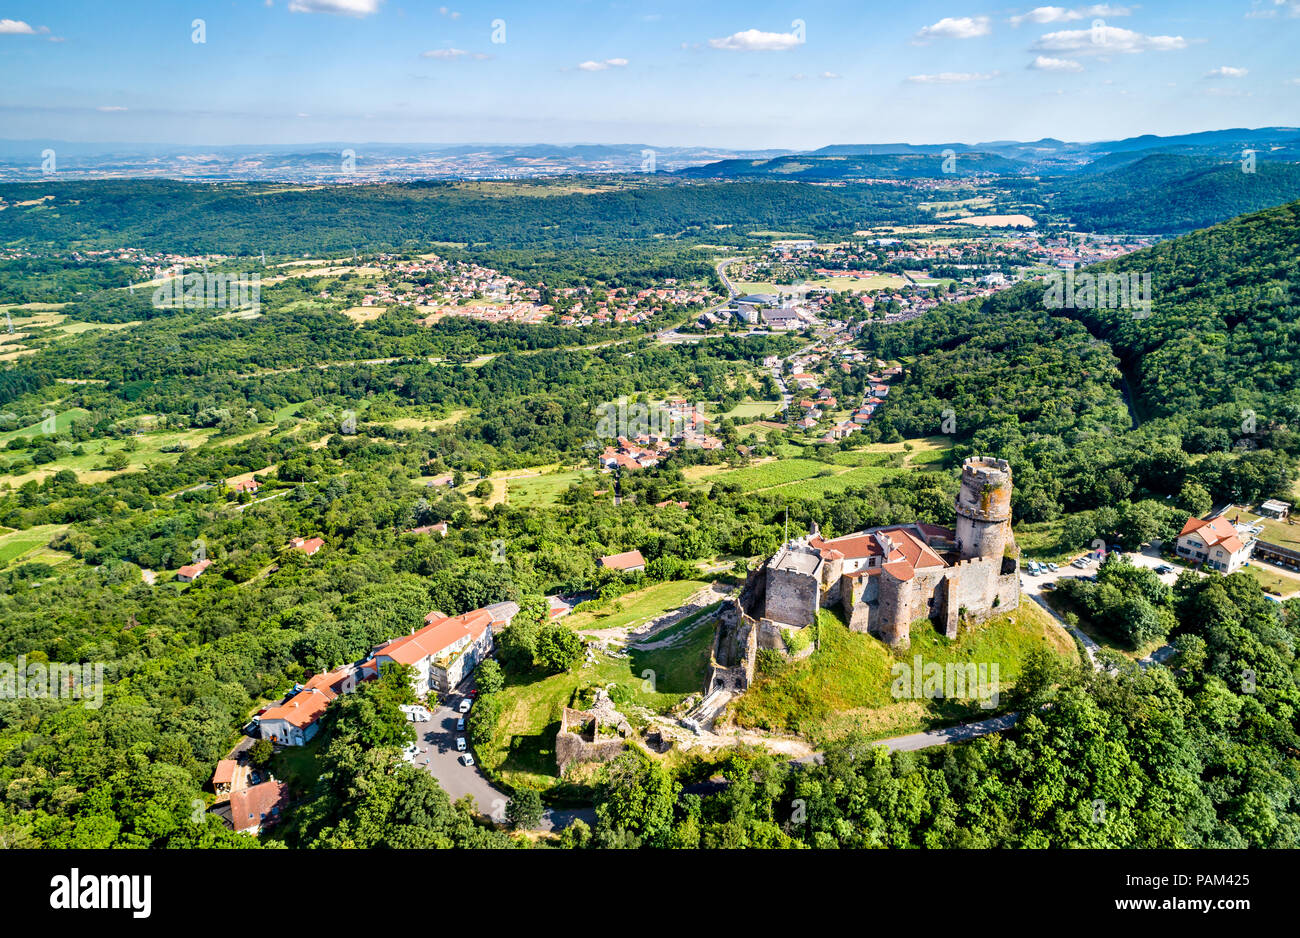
[{"x": 883, "y": 578}]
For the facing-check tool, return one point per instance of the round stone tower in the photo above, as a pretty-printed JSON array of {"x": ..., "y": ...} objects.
[{"x": 984, "y": 508}]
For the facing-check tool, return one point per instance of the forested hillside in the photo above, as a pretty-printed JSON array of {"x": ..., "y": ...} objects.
[
  {"x": 1167, "y": 193},
  {"x": 247, "y": 218}
]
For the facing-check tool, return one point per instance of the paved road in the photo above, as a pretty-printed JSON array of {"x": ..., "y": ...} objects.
[
  {"x": 722, "y": 275},
  {"x": 940, "y": 737},
  {"x": 438, "y": 756}
]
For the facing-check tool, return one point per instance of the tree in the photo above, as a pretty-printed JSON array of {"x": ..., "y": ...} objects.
[
  {"x": 483, "y": 489},
  {"x": 558, "y": 648},
  {"x": 524, "y": 810},
  {"x": 636, "y": 797},
  {"x": 517, "y": 645},
  {"x": 261, "y": 752},
  {"x": 489, "y": 678}
]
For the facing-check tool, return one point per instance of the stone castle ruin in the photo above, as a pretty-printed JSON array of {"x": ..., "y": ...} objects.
[{"x": 883, "y": 579}]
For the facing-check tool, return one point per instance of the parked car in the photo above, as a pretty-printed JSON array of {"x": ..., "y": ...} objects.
[
  {"x": 460, "y": 724},
  {"x": 473, "y": 692},
  {"x": 410, "y": 752},
  {"x": 466, "y": 759},
  {"x": 1164, "y": 568},
  {"x": 1052, "y": 567},
  {"x": 460, "y": 743},
  {"x": 465, "y": 705}
]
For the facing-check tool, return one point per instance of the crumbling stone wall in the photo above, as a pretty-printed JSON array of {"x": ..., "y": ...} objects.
[
  {"x": 792, "y": 597},
  {"x": 579, "y": 738}
]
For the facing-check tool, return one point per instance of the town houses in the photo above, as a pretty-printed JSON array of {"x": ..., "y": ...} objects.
[
  {"x": 439, "y": 288},
  {"x": 663, "y": 429}
]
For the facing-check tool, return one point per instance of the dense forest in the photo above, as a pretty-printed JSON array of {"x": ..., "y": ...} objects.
[{"x": 247, "y": 218}]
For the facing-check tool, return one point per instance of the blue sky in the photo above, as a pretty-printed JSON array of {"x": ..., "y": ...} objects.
[{"x": 722, "y": 73}]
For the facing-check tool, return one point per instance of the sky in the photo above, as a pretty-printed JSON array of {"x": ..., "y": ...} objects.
[{"x": 723, "y": 73}]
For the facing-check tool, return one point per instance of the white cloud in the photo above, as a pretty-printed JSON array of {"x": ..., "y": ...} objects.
[
  {"x": 109, "y": 108},
  {"x": 341, "y": 7},
  {"x": 1043, "y": 15},
  {"x": 443, "y": 54},
  {"x": 830, "y": 75},
  {"x": 755, "y": 40},
  {"x": 1045, "y": 63},
  {"x": 1291, "y": 7},
  {"x": 593, "y": 66},
  {"x": 15, "y": 28},
  {"x": 1105, "y": 40},
  {"x": 444, "y": 11},
  {"x": 956, "y": 27},
  {"x": 1226, "y": 71},
  {"x": 951, "y": 78}
]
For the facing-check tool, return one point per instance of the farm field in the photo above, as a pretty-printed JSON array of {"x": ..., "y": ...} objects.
[
  {"x": 843, "y": 470},
  {"x": 16, "y": 544},
  {"x": 62, "y": 421},
  {"x": 91, "y": 465},
  {"x": 858, "y": 284},
  {"x": 429, "y": 423},
  {"x": 751, "y": 409}
]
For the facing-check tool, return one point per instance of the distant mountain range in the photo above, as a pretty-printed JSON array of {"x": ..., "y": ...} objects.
[
  {"x": 341, "y": 161},
  {"x": 1039, "y": 157}
]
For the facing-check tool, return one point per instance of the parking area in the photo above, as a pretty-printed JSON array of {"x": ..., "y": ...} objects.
[{"x": 437, "y": 753}]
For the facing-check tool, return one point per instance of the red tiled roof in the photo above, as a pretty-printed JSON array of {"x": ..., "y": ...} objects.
[
  {"x": 191, "y": 570},
  {"x": 259, "y": 804},
  {"x": 225, "y": 773},
  {"x": 623, "y": 561},
  {"x": 439, "y": 635},
  {"x": 1216, "y": 531}
]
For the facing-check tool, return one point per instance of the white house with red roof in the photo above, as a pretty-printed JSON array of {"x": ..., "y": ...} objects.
[
  {"x": 308, "y": 545},
  {"x": 442, "y": 653},
  {"x": 296, "y": 720},
  {"x": 1215, "y": 543},
  {"x": 192, "y": 571}
]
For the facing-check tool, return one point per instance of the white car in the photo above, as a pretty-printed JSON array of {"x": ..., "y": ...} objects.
[
  {"x": 467, "y": 759},
  {"x": 410, "y": 752},
  {"x": 460, "y": 743},
  {"x": 465, "y": 705}
]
